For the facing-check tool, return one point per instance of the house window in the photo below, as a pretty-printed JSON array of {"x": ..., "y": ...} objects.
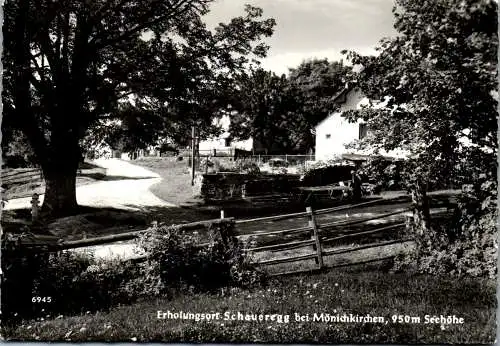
[
  {"x": 227, "y": 142},
  {"x": 363, "y": 130},
  {"x": 328, "y": 136}
]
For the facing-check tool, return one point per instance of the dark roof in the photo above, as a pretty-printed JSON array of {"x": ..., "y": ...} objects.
[{"x": 341, "y": 97}]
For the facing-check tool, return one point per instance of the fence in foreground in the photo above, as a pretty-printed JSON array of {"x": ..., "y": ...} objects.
[{"x": 317, "y": 235}]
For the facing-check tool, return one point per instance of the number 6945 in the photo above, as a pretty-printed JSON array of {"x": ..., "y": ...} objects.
[{"x": 39, "y": 299}]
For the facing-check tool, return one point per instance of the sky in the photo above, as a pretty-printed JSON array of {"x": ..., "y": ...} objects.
[{"x": 308, "y": 29}]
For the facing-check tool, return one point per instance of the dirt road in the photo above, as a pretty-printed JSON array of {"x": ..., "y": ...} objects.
[{"x": 125, "y": 186}]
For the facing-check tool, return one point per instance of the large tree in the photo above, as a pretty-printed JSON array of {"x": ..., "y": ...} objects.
[
  {"x": 71, "y": 64},
  {"x": 438, "y": 79},
  {"x": 265, "y": 109},
  {"x": 282, "y": 111}
]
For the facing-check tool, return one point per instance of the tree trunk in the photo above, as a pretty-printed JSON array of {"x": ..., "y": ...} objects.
[
  {"x": 421, "y": 212},
  {"x": 60, "y": 189}
]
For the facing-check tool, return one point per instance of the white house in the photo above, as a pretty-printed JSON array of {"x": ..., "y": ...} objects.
[
  {"x": 335, "y": 132},
  {"x": 224, "y": 142}
]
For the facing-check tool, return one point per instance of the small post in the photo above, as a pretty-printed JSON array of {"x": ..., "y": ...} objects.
[
  {"x": 35, "y": 207},
  {"x": 315, "y": 236},
  {"x": 222, "y": 214},
  {"x": 193, "y": 153},
  {"x": 206, "y": 164}
]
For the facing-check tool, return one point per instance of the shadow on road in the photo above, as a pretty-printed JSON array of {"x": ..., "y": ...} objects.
[{"x": 104, "y": 177}]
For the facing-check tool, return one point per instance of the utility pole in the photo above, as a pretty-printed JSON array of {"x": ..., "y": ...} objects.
[{"x": 193, "y": 153}]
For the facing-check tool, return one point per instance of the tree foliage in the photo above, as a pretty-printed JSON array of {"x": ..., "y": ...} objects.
[
  {"x": 438, "y": 78},
  {"x": 438, "y": 81},
  {"x": 265, "y": 107},
  {"x": 282, "y": 111},
  {"x": 73, "y": 65}
]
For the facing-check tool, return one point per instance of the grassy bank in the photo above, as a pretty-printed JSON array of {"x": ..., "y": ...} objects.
[
  {"x": 175, "y": 186},
  {"x": 336, "y": 292}
]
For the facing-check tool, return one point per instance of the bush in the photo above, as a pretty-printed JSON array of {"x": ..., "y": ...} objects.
[
  {"x": 329, "y": 172},
  {"x": 74, "y": 283},
  {"x": 467, "y": 244},
  {"x": 385, "y": 175},
  {"x": 176, "y": 259},
  {"x": 77, "y": 282},
  {"x": 249, "y": 167}
]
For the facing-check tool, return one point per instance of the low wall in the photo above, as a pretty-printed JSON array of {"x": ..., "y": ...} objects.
[{"x": 228, "y": 186}]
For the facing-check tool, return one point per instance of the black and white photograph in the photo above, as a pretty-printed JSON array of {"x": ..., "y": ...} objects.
[{"x": 249, "y": 171}]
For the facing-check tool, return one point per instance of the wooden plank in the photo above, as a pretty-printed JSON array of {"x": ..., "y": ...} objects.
[
  {"x": 349, "y": 223},
  {"x": 378, "y": 230},
  {"x": 273, "y": 218},
  {"x": 284, "y": 245},
  {"x": 73, "y": 244},
  {"x": 287, "y": 259},
  {"x": 325, "y": 188},
  {"x": 362, "y": 262},
  {"x": 13, "y": 172},
  {"x": 113, "y": 238},
  {"x": 363, "y": 247},
  {"x": 202, "y": 224},
  {"x": 21, "y": 179},
  {"x": 349, "y": 206},
  {"x": 315, "y": 237},
  {"x": 292, "y": 230}
]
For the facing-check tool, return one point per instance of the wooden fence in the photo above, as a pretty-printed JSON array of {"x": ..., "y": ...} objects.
[
  {"x": 322, "y": 234},
  {"x": 19, "y": 176},
  {"x": 316, "y": 235}
]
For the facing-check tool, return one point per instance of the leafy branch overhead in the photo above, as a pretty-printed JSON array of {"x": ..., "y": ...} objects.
[
  {"x": 75, "y": 66},
  {"x": 438, "y": 79}
]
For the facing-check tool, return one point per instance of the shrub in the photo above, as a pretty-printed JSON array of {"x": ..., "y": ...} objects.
[
  {"x": 73, "y": 282},
  {"x": 78, "y": 282},
  {"x": 175, "y": 259},
  {"x": 249, "y": 167},
  {"x": 19, "y": 271},
  {"x": 467, "y": 244},
  {"x": 386, "y": 175},
  {"x": 323, "y": 173}
]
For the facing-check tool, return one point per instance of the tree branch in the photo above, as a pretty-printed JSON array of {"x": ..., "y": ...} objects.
[{"x": 139, "y": 27}]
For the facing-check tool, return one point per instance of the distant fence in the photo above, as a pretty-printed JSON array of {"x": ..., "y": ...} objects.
[
  {"x": 20, "y": 175},
  {"x": 20, "y": 182},
  {"x": 294, "y": 163}
]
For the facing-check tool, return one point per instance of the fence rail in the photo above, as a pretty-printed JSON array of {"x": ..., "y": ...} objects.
[{"x": 316, "y": 230}]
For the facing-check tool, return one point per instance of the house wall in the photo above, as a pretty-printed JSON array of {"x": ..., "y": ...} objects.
[
  {"x": 219, "y": 143},
  {"x": 340, "y": 131}
]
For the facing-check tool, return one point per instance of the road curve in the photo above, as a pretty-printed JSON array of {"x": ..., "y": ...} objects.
[{"x": 126, "y": 186}]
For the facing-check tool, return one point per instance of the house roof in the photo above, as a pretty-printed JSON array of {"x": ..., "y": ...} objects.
[{"x": 339, "y": 99}]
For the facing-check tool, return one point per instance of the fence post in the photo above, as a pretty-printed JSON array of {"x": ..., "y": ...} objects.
[
  {"x": 317, "y": 244},
  {"x": 35, "y": 207},
  {"x": 193, "y": 153}
]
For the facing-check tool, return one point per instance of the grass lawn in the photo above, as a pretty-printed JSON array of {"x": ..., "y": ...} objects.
[
  {"x": 175, "y": 186},
  {"x": 336, "y": 292}
]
